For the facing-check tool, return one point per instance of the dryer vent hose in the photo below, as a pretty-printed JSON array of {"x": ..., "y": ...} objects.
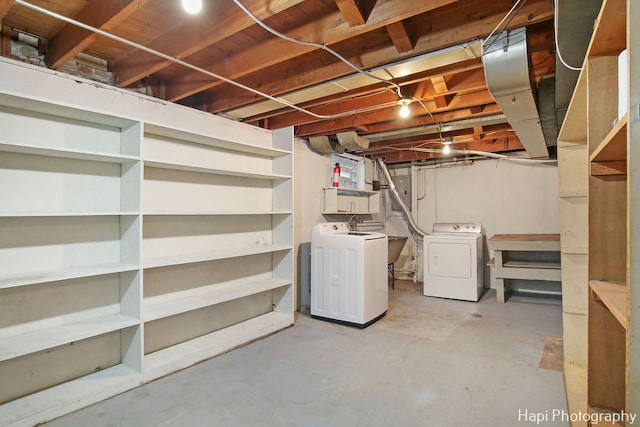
[{"x": 417, "y": 233}]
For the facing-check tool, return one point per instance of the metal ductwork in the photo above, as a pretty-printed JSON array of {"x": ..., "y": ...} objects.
[{"x": 506, "y": 67}]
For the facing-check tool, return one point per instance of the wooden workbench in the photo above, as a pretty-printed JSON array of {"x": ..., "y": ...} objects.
[{"x": 511, "y": 260}]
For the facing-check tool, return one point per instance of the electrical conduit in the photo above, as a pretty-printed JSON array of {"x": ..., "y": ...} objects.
[{"x": 413, "y": 227}]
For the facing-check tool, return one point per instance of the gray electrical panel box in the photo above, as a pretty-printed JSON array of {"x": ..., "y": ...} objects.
[{"x": 403, "y": 185}]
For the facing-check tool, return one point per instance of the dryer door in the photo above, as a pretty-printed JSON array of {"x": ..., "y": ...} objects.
[{"x": 449, "y": 259}]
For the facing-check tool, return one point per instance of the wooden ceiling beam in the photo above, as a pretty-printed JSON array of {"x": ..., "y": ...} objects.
[
  {"x": 440, "y": 87},
  {"x": 467, "y": 27},
  {"x": 439, "y": 84},
  {"x": 5, "y": 5},
  {"x": 460, "y": 103},
  {"x": 444, "y": 117},
  {"x": 5, "y": 40},
  {"x": 104, "y": 15},
  {"x": 441, "y": 101},
  {"x": 477, "y": 131},
  {"x": 359, "y": 101},
  {"x": 355, "y": 12},
  {"x": 400, "y": 37},
  {"x": 425, "y": 120},
  {"x": 257, "y": 57},
  {"x": 500, "y": 145},
  {"x": 193, "y": 36},
  {"x": 459, "y": 136},
  {"x": 471, "y": 68}
]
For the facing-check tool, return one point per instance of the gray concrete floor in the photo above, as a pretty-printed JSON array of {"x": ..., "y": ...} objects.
[{"x": 429, "y": 362}]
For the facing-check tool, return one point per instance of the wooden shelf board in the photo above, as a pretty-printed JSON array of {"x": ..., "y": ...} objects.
[
  {"x": 213, "y": 142},
  {"x": 62, "y": 399},
  {"x": 185, "y": 354},
  {"x": 349, "y": 213},
  {"x": 610, "y": 35},
  {"x": 64, "y": 274},
  {"x": 198, "y": 169},
  {"x": 42, "y": 339},
  {"x": 614, "y": 296},
  {"x": 579, "y": 250},
  {"x": 533, "y": 264},
  {"x": 525, "y": 238},
  {"x": 180, "y": 302},
  {"x": 527, "y": 264},
  {"x": 64, "y": 214},
  {"x": 608, "y": 168},
  {"x": 13, "y": 147},
  {"x": 192, "y": 213},
  {"x": 352, "y": 191},
  {"x": 525, "y": 242},
  {"x": 66, "y": 112},
  {"x": 548, "y": 274},
  {"x": 211, "y": 256},
  {"x": 568, "y": 194},
  {"x": 614, "y": 145}
]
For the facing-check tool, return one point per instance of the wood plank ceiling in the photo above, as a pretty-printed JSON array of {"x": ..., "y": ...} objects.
[{"x": 402, "y": 39}]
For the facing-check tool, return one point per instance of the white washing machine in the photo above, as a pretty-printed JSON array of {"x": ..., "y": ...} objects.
[
  {"x": 453, "y": 261},
  {"x": 348, "y": 274}
]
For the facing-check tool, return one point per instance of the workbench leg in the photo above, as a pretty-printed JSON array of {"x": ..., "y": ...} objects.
[{"x": 500, "y": 290}]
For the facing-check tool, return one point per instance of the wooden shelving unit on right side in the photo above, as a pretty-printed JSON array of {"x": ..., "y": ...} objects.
[{"x": 613, "y": 190}]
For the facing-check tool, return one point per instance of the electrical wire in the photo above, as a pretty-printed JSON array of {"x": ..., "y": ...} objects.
[
  {"x": 519, "y": 4},
  {"x": 323, "y": 46},
  {"x": 432, "y": 117},
  {"x": 500, "y": 23},
  {"x": 193, "y": 67},
  {"x": 555, "y": 38},
  {"x": 259, "y": 93},
  {"x": 465, "y": 152}
]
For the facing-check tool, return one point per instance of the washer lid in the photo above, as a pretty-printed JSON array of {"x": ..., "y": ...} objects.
[
  {"x": 332, "y": 228},
  {"x": 367, "y": 235},
  {"x": 456, "y": 227}
]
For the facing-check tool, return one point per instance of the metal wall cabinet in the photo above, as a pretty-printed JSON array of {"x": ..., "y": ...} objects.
[
  {"x": 138, "y": 238},
  {"x": 603, "y": 155}
]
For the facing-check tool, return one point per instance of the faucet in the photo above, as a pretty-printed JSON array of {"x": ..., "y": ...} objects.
[{"x": 352, "y": 224}]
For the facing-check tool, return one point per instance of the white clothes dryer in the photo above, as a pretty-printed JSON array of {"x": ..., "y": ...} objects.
[
  {"x": 453, "y": 261},
  {"x": 349, "y": 279}
]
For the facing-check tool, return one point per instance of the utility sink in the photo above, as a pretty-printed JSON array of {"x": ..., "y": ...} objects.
[{"x": 396, "y": 243}]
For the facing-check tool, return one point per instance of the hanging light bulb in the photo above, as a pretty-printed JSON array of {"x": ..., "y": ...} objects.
[
  {"x": 446, "y": 142},
  {"x": 404, "y": 107},
  {"x": 192, "y": 6}
]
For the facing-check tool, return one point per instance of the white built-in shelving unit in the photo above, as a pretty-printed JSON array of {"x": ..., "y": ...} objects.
[{"x": 138, "y": 238}]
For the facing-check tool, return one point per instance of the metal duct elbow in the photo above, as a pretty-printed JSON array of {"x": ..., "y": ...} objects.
[
  {"x": 506, "y": 67},
  {"x": 415, "y": 230}
]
